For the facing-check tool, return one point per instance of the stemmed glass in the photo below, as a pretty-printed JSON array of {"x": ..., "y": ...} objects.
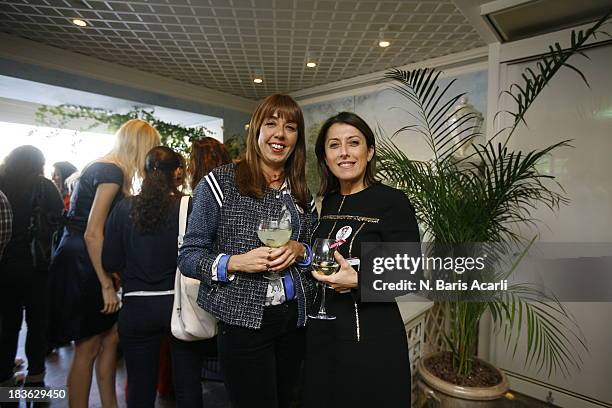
[
  {"x": 324, "y": 262},
  {"x": 274, "y": 232}
]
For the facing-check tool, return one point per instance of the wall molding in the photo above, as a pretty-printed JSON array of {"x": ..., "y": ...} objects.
[
  {"x": 562, "y": 397},
  {"x": 454, "y": 64},
  {"x": 533, "y": 47},
  {"x": 45, "y": 56}
]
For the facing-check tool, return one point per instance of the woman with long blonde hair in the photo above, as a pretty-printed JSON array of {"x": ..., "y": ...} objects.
[{"x": 84, "y": 296}]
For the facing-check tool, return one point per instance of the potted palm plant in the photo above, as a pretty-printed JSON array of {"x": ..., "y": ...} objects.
[{"x": 481, "y": 197}]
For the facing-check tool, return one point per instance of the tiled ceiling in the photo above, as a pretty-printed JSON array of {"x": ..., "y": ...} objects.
[{"x": 223, "y": 44}]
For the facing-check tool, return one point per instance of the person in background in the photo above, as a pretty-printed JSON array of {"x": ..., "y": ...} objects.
[
  {"x": 140, "y": 244},
  {"x": 365, "y": 347},
  {"x": 6, "y": 230},
  {"x": 61, "y": 172},
  {"x": 6, "y": 222},
  {"x": 36, "y": 205},
  {"x": 165, "y": 388},
  {"x": 180, "y": 175},
  {"x": 85, "y": 302},
  {"x": 206, "y": 154},
  {"x": 261, "y": 336}
]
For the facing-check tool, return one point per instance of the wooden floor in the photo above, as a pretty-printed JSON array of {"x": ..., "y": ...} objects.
[{"x": 58, "y": 364}]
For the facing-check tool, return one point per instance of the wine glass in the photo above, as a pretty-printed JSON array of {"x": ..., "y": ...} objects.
[
  {"x": 275, "y": 232},
  {"x": 324, "y": 262}
]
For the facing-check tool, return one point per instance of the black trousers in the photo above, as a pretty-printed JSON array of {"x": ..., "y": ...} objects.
[
  {"x": 262, "y": 367},
  {"x": 22, "y": 288},
  {"x": 143, "y": 322}
]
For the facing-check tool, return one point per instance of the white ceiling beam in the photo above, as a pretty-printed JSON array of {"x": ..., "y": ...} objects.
[{"x": 31, "y": 52}]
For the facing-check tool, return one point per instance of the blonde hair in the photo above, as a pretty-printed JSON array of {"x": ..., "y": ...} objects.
[{"x": 133, "y": 141}]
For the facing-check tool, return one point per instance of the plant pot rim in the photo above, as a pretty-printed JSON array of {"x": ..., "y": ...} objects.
[{"x": 469, "y": 393}]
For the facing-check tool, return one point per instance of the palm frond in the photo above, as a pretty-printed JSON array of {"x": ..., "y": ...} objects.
[
  {"x": 487, "y": 196},
  {"x": 533, "y": 82},
  {"x": 433, "y": 105}
]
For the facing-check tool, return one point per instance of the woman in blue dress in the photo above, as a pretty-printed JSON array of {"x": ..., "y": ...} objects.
[{"x": 84, "y": 296}]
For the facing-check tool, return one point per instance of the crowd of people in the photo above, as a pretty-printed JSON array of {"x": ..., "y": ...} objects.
[{"x": 107, "y": 281}]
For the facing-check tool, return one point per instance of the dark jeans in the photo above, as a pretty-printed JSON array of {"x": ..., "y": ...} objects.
[
  {"x": 22, "y": 288},
  {"x": 261, "y": 367},
  {"x": 143, "y": 322}
]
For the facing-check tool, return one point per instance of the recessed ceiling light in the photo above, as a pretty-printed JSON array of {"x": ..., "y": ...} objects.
[
  {"x": 384, "y": 44},
  {"x": 311, "y": 64},
  {"x": 79, "y": 22},
  {"x": 258, "y": 80}
]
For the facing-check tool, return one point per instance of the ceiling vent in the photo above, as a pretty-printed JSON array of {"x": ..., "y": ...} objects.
[{"x": 517, "y": 19}]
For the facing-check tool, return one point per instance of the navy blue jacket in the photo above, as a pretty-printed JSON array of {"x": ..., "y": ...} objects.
[{"x": 223, "y": 221}]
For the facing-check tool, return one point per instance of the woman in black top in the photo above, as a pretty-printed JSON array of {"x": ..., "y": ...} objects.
[
  {"x": 22, "y": 283},
  {"x": 360, "y": 359},
  {"x": 141, "y": 244}
]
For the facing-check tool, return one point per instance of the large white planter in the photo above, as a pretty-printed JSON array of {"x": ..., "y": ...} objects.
[{"x": 448, "y": 395}]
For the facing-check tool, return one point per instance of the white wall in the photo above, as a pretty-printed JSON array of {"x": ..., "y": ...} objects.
[
  {"x": 383, "y": 108},
  {"x": 567, "y": 109}
]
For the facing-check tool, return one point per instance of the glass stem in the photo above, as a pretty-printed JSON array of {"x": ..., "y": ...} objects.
[{"x": 322, "y": 307}]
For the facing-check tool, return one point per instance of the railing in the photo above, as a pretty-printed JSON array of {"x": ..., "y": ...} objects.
[{"x": 417, "y": 317}]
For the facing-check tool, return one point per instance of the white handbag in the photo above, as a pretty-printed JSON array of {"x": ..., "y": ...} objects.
[{"x": 189, "y": 321}]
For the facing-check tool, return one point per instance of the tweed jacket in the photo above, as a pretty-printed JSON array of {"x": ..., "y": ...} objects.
[{"x": 223, "y": 221}]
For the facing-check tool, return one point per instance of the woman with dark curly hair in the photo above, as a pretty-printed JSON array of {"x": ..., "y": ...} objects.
[
  {"x": 206, "y": 154},
  {"x": 140, "y": 244}
]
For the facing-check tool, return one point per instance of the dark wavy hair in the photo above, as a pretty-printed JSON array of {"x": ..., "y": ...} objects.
[
  {"x": 206, "y": 154},
  {"x": 150, "y": 208},
  {"x": 20, "y": 170},
  {"x": 329, "y": 182},
  {"x": 64, "y": 169}
]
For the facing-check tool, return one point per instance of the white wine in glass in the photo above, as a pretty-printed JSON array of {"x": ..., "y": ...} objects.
[
  {"x": 323, "y": 262},
  {"x": 274, "y": 237},
  {"x": 274, "y": 233},
  {"x": 326, "y": 267}
]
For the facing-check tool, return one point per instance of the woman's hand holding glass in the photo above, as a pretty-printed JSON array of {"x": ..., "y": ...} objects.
[
  {"x": 342, "y": 281},
  {"x": 275, "y": 232},
  {"x": 323, "y": 263},
  {"x": 290, "y": 253},
  {"x": 266, "y": 259}
]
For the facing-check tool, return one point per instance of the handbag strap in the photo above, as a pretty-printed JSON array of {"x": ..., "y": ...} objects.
[
  {"x": 183, "y": 219},
  {"x": 184, "y": 206}
]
